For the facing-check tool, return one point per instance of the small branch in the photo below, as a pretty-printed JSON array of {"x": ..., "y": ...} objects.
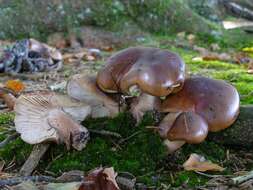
[
  {"x": 243, "y": 178},
  {"x": 209, "y": 175},
  {"x": 9, "y": 139},
  {"x": 17, "y": 180},
  {"x": 105, "y": 133},
  {"x": 33, "y": 160},
  {"x": 30, "y": 76},
  {"x": 129, "y": 137}
]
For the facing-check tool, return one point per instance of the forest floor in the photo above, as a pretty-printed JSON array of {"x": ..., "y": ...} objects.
[{"x": 141, "y": 152}]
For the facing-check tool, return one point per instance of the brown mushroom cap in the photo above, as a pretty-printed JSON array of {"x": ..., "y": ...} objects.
[
  {"x": 214, "y": 100},
  {"x": 41, "y": 117},
  {"x": 156, "y": 72},
  {"x": 186, "y": 126}
]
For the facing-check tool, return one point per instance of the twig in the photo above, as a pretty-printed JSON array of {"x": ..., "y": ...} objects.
[
  {"x": 17, "y": 180},
  {"x": 9, "y": 139},
  {"x": 243, "y": 178},
  {"x": 208, "y": 175},
  {"x": 34, "y": 158},
  {"x": 105, "y": 133},
  {"x": 129, "y": 137},
  {"x": 30, "y": 76}
]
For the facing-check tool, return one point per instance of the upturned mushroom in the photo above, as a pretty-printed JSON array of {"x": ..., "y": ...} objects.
[
  {"x": 202, "y": 105},
  {"x": 83, "y": 87},
  {"x": 48, "y": 117},
  {"x": 150, "y": 71}
]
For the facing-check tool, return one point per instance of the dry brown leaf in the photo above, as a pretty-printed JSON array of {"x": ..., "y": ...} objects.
[
  {"x": 100, "y": 179},
  {"x": 90, "y": 58},
  {"x": 107, "y": 48},
  {"x": 198, "y": 163}
]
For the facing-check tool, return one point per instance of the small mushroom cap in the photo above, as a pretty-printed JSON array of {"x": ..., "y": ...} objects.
[
  {"x": 39, "y": 119},
  {"x": 214, "y": 100},
  {"x": 187, "y": 126},
  {"x": 156, "y": 72},
  {"x": 83, "y": 87}
]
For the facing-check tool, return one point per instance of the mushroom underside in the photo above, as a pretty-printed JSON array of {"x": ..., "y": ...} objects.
[
  {"x": 84, "y": 88},
  {"x": 39, "y": 120}
]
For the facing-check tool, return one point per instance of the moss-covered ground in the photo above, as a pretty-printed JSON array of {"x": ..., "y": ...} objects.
[{"x": 141, "y": 152}]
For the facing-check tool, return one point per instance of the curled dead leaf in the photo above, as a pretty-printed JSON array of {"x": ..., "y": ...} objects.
[
  {"x": 198, "y": 163},
  {"x": 100, "y": 179}
]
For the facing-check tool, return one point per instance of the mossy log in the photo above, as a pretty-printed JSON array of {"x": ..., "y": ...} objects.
[
  {"x": 240, "y": 8},
  {"x": 240, "y": 133}
]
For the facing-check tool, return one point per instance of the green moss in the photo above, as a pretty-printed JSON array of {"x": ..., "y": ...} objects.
[
  {"x": 189, "y": 178},
  {"x": 6, "y": 118},
  {"x": 236, "y": 39},
  {"x": 138, "y": 155}
]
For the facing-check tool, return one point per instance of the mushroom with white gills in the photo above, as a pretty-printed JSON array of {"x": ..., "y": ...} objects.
[
  {"x": 213, "y": 102},
  {"x": 153, "y": 72},
  {"x": 83, "y": 87},
  {"x": 39, "y": 118}
]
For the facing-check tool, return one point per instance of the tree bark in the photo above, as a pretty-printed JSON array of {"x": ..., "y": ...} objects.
[
  {"x": 240, "y": 133},
  {"x": 241, "y": 8}
]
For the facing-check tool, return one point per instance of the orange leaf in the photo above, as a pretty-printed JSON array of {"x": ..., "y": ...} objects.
[{"x": 15, "y": 85}]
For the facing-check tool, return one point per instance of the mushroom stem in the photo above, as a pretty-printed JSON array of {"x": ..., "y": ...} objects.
[
  {"x": 142, "y": 104},
  {"x": 9, "y": 99},
  {"x": 31, "y": 163},
  {"x": 172, "y": 146}
]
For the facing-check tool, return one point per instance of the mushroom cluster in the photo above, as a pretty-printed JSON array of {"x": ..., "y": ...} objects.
[
  {"x": 202, "y": 105},
  {"x": 146, "y": 73},
  {"x": 155, "y": 79}
]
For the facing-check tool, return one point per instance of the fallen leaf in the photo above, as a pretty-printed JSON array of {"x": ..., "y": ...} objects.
[
  {"x": 15, "y": 85},
  {"x": 191, "y": 38},
  {"x": 25, "y": 186},
  {"x": 215, "y": 47},
  {"x": 107, "y": 48},
  {"x": 101, "y": 179},
  {"x": 198, "y": 163},
  {"x": 90, "y": 58},
  {"x": 111, "y": 176},
  {"x": 181, "y": 35},
  {"x": 64, "y": 186}
]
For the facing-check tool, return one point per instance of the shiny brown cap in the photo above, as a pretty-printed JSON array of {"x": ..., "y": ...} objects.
[
  {"x": 215, "y": 101},
  {"x": 187, "y": 126},
  {"x": 156, "y": 72}
]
